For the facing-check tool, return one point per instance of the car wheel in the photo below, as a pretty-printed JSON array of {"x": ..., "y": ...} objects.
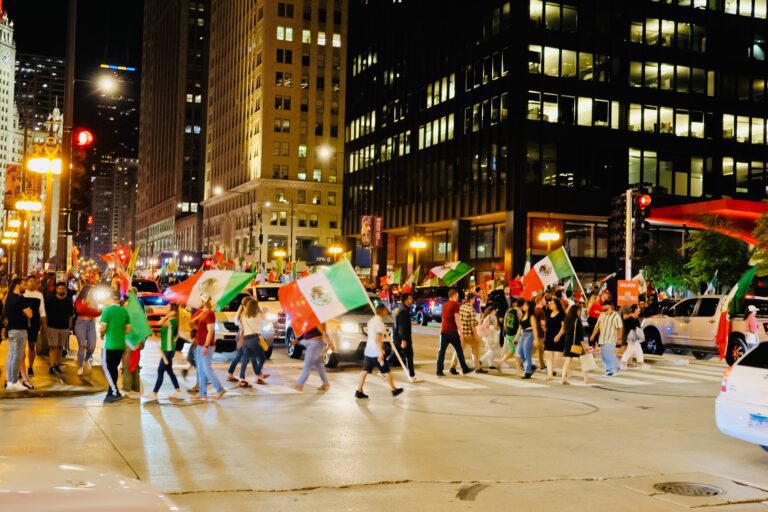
[
  {"x": 702, "y": 356},
  {"x": 737, "y": 347},
  {"x": 294, "y": 349},
  {"x": 420, "y": 318},
  {"x": 268, "y": 353},
  {"x": 330, "y": 360},
  {"x": 652, "y": 343}
]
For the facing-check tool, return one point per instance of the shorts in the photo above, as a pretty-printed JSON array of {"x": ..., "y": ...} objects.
[
  {"x": 32, "y": 333},
  {"x": 57, "y": 337},
  {"x": 369, "y": 363}
]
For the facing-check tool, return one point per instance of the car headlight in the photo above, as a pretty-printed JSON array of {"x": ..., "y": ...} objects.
[
  {"x": 271, "y": 316},
  {"x": 101, "y": 295},
  {"x": 345, "y": 345},
  {"x": 350, "y": 328}
]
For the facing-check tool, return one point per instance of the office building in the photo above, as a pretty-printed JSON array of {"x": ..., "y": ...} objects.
[
  {"x": 487, "y": 126},
  {"x": 275, "y": 119},
  {"x": 173, "y": 126},
  {"x": 39, "y": 88},
  {"x": 9, "y": 142}
]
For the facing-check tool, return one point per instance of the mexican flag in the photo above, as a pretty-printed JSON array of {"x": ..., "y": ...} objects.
[
  {"x": 397, "y": 276},
  {"x": 139, "y": 332},
  {"x": 450, "y": 273},
  {"x": 712, "y": 285},
  {"x": 553, "y": 268},
  {"x": 221, "y": 285},
  {"x": 527, "y": 267},
  {"x": 319, "y": 297},
  {"x": 731, "y": 306}
]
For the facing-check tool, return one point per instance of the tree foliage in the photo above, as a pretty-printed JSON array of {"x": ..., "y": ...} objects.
[
  {"x": 760, "y": 254},
  {"x": 710, "y": 251},
  {"x": 664, "y": 266}
]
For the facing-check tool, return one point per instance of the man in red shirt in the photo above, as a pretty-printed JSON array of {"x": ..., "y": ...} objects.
[
  {"x": 450, "y": 333},
  {"x": 205, "y": 323}
]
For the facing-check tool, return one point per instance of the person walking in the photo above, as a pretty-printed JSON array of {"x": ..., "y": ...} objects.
[
  {"x": 450, "y": 329},
  {"x": 315, "y": 342},
  {"x": 133, "y": 345},
  {"x": 553, "y": 344},
  {"x": 37, "y": 323},
  {"x": 373, "y": 356},
  {"x": 205, "y": 323},
  {"x": 469, "y": 335},
  {"x": 17, "y": 313},
  {"x": 487, "y": 329},
  {"x": 528, "y": 334},
  {"x": 252, "y": 322},
  {"x": 572, "y": 336},
  {"x": 114, "y": 326},
  {"x": 634, "y": 335},
  {"x": 169, "y": 330},
  {"x": 403, "y": 337},
  {"x": 60, "y": 314},
  {"x": 511, "y": 329},
  {"x": 240, "y": 343},
  {"x": 85, "y": 328},
  {"x": 609, "y": 327}
]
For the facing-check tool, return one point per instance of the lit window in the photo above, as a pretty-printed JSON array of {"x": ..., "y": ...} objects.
[
  {"x": 337, "y": 40},
  {"x": 306, "y": 36},
  {"x": 321, "y": 38},
  {"x": 302, "y": 151},
  {"x": 317, "y": 175}
]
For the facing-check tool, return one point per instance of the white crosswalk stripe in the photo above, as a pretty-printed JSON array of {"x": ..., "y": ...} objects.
[
  {"x": 696, "y": 376},
  {"x": 452, "y": 382},
  {"x": 515, "y": 382}
]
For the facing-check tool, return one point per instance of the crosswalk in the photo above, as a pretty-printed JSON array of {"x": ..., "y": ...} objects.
[{"x": 343, "y": 381}]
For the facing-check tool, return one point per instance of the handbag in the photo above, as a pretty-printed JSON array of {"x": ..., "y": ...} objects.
[
  {"x": 750, "y": 338},
  {"x": 263, "y": 344},
  {"x": 576, "y": 347},
  {"x": 588, "y": 362},
  {"x": 639, "y": 334}
]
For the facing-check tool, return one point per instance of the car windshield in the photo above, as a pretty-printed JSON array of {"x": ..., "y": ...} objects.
[
  {"x": 235, "y": 303},
  {"x": 267, "y": 294},
  {"x": 145, "y": 286},
  {"x": 366, "y": 309}
]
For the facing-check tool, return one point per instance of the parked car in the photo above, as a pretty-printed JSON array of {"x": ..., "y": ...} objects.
[
  {"x": 691, "y": 324},
  {"x": 351, "y": 338},
  {"x": 156, "y": 306},
  {"x": 658, "y": 308},
  {"x": 268, "y": 301},
  {"x": 225, "y": 334},
  {"x": 428, "y": 303},
  {"x": 741, "y": 409}
]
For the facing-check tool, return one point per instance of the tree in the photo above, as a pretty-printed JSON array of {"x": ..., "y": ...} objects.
[
  {"x": 760, "y": 253},
  {"x": 710, "y": 250},
  {"x": 664, "y": 266}
]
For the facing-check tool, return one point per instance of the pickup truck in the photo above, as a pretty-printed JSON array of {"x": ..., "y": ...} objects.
[
  {"x": 428, "y": 303},
  {"x": 691, "y": 324}
]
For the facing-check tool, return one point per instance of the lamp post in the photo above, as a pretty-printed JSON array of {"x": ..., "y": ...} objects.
[
  {"x": 549, "y": 234},
  {"x": 334, "y": 250}
]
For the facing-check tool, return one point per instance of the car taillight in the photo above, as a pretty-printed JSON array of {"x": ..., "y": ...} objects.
[{"x": 724, "y": 384}]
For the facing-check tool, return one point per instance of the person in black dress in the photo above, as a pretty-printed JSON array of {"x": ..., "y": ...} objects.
[
  {"x": 572, "y": 335},
  {"x": 553, "y": 346}
]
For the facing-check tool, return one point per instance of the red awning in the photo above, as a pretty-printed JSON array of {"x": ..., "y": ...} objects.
[{"x": 740, "y": 215}]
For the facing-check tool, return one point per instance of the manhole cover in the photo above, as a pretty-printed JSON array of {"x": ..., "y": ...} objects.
[{"x": 689, "y": 489}]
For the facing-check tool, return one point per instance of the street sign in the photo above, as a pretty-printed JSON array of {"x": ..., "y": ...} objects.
[{"x": 627, "y": 293}]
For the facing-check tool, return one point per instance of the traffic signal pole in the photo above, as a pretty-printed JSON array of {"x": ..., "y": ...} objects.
[{"x": 628, "y": 236}]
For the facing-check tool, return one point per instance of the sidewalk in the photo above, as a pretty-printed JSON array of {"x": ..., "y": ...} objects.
[{"x": 69, "y": 384}]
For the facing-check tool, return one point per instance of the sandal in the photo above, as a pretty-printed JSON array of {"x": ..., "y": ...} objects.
[
  {"x": 232, "y": 378},
  {"x": 244, "y": 384},
  {"x": 264, "y": 376},
  {"x": 261, "y": 382},
  {"x": 28, "y": 385}
]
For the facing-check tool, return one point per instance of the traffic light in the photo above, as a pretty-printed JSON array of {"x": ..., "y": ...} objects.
[
  {"x": 642, "y": 228},
  {"x": 617, "y": 227},
  {"x": 83, "y": 138}
]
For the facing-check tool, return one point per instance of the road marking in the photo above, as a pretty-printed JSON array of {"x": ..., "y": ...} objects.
[
  {"x": 454, "y": 382},
  {"x": 515, "y": 382},
  {"x": 604, "y": 379},
  {"x": 691, "y": 375},
  {"x": 646, "y": 374}
]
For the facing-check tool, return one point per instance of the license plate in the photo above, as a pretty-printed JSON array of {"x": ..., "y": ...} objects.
[{"x": 758, "y": 421}]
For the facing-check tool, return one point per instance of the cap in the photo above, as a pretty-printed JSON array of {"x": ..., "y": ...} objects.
[
  {"x": 204, "y": 297},
  {"x": 752, "y": 309}
]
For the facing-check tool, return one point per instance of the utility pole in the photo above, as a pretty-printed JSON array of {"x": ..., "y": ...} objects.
[
  {"x": 62, "y": 246},
  {"x": 628, "y": 236}
]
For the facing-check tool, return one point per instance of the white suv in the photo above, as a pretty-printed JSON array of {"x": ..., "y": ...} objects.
[{"x": 691, "y": 324}]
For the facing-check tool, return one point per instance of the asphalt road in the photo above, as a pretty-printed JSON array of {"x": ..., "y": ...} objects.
[{"x": 479, "y": 442}]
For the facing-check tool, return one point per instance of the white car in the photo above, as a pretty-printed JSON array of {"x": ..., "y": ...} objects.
[{"x": 741, "y": 409}]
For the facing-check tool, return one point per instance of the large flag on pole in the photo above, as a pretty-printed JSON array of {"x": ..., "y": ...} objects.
[
  {"x": 319, "y": 297},
  {"x": 712, "y": 285},
  {"x": 527, "y": 267},
  {"x": 134, "y": 259},
  {"x": 450, "y": 273},
  {"x": 221, "y": 285},
  {"x": 731, "y": 306},
  {"x": 553, "y": 268}
]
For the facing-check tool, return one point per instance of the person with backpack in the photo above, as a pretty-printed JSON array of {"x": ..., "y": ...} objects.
[{"x": 511, "y": 325}]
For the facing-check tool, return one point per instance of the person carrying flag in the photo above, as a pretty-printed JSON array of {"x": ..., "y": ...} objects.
[
  {"x": 374, "y": 353},
  {"x": 114, "y": 326}
]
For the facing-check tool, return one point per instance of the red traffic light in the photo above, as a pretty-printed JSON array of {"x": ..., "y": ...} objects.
[
  {"x": 644, "y": 201},
  {"x": 83, "y": 138}
]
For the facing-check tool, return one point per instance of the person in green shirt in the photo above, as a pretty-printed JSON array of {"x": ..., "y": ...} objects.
[
  {"x": 114, "y": 326},
  {"x": 169, "y": 330}
]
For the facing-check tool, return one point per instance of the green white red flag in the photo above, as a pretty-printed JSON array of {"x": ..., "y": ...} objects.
[
  {"x": 221, "y": 285},
  {"x": 732, "y": 306},
  {"x": 450, "y": 273},
  {"x": 553, "y": 268},
  {"x": 319, "y": 297}
]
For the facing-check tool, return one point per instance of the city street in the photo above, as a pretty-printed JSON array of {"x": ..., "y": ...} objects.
[{"x": 461, "y": 443}]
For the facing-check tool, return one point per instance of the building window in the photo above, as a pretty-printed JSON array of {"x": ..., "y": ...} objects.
[
  {"x": 333, "y": 222},
  {"x": 283, "y": 79},
  {"x": 332, "y": 176},
  {"x": 301, "y": 196},
  {"x": 284, "y": 148},
  {"x": 302, "y": 222},
  {"x": 317, "y": 175},
  {"x": 331, "y": 198},
  {"x": 285, "y": 10},
  {"x": 302, "y": 151},
  {"x": 306, "y": 36},
  {"x": 280, "y": 195},
  {"x": 337, "y": 40},
  {"x": 313, "y": 220},
  {"x": 283, "y": 218},
  {"x": 284, "y": 56},
  {"x": 321, "y": 38},
  {"x": 302, "y": 176},
  {"x": 282, "y": 102},
  {"x": 316, "y": 198},
  {"x": 284, "y": 33}
]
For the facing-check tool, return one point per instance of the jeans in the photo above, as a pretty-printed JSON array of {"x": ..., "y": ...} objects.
[
  {"x": 252, "y": 351},
  {"x": 235, "y": 360},
  {"x": 313, "y": 360},
  {"x": 205, "y": 372},
  {"x": 110, "y": 360},
  {"x": 525, "y": 350},
  {"x": 85, "y": 332},
  {"x": 166, "y": 368},
  {"x": 608, "y": 355},
  {"x": 452, "y": 339},
  {"x": 17, "y": 341},
  {"x": 191, "y": 356},
  {"x": 406, "y": 354}
]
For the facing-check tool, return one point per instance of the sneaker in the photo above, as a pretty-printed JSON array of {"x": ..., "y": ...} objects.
[
  {"x": 58, "y": 371},
  {"x": 298, "y": 387},
  {"x": 87, "y": 366},
  {"x": 50, "y": 370},
  {"x": 176, "y": 395},
  {"x": 397, "y": 391},
  {"x": 441, "y": 374},
  {"x": 80, "y": 371},
  {"x": 453, "y": 371},
  {"x": 16, "y": 386},
  {"x": 416, "y": 380},
  {"x": 194, "y": 389},
  {"x": 467, "y": 371},
  {"x": 109, "y": 399},
  {"x": 31, "y": 372},
  {"x": 324, "y": 387},
  {"x": 360, "y": 394},
  {"x": 527, "y": 376},
  {"x": 184, "y": 373},
  {"x": 481, "y": 370}
]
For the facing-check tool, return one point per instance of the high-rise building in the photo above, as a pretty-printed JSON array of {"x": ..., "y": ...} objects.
[
  {"x": 114, "y": 199},
  {"x": 173, "y": 126},
  {"x": 275, "y": 117},
  {"x": 102, "y": 206},
  {"x": 117, "y": 114},
  {"x": 39, "y": 88},
  {"x": 9, "y": 142},
  {"x": 489, "y": 125}
]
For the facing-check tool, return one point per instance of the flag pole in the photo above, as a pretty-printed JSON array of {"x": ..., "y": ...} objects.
[
  {"x": 387, "y": 336},
  {"x": 574, "y": 273}
]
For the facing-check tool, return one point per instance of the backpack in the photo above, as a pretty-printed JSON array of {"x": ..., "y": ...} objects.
[{"x": 511, "y": 322}]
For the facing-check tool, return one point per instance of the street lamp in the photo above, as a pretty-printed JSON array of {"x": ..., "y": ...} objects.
[
  {"x": 14, "y": 223},
  {"x": 417, "y": 243},
  {"x": 29, "y": 205},
  {"x": 279, "y": 253},
  {"x": 549, "y": 234},
  {"x": 107, "y": 84}
]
